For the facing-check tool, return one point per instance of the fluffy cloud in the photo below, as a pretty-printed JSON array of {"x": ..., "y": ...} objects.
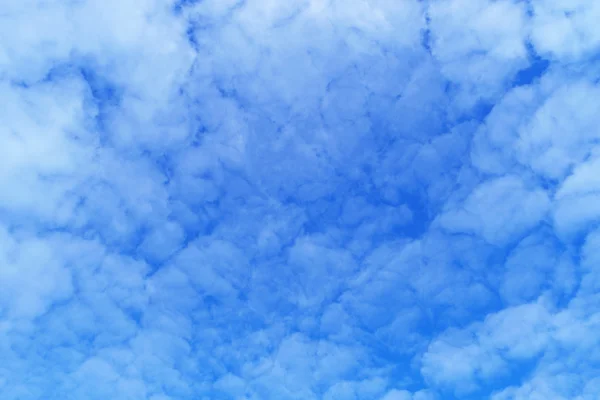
[
  {"x": 260, "y": 200},
  {"x": 498, "y": 210},
  {"x": 565, "y": 31},
  {"x": 479, "y": 45}
]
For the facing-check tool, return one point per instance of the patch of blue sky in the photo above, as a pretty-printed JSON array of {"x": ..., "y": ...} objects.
[{"x": 256, "y": 200}]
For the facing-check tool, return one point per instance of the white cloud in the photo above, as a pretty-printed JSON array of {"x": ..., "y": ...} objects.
[
  {"x": 479, "y": 45},
  {"x": 562, "y": 132},
  {"x": 536, "y": 264},
  {"x": 397, "y": 395},
  {"x": 464, "y": 359},
  {"x": 565, "y": 31},
  {"x": 577, "y": 199},
  {"x": 499, "y": 210},
  {"x": 33, "y": 276},
  {"x": 298, "y": 200}
]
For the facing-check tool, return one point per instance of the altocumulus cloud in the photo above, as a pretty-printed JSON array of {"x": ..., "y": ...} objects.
[{"x": 304, "y": 199}]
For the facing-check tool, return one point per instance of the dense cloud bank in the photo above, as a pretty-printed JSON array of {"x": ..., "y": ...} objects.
[{"x": 305, "y": 199}]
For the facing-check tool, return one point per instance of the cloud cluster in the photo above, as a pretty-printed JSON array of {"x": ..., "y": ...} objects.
[{"x": 311, "y": 199}]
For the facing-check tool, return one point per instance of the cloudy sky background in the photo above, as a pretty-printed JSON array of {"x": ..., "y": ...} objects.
[{"x": 304, "y": 199}]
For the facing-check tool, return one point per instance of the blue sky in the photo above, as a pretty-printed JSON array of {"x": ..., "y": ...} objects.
[{"x": 298, "y": 200}]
